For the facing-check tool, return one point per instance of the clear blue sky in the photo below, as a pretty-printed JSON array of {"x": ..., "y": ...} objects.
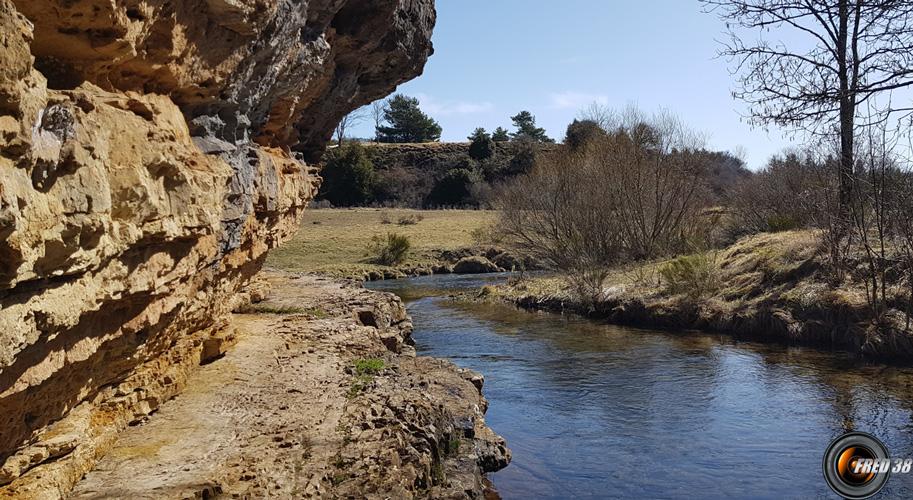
[{"x": 494, "y": 58}]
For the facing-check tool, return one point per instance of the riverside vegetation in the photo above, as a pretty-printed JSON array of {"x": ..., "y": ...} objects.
[{"x": 817, "y": 247}]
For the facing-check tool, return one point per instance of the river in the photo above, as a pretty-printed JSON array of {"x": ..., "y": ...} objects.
[{"x": 600, "y": 411}]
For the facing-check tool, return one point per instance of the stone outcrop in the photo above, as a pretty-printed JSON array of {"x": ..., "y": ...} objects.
[
  {"x": 292, "y": 411},
  {"x": 151, "y": 152}
]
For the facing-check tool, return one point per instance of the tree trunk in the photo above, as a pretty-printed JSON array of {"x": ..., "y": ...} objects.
[{"x": 847, "y": 117}]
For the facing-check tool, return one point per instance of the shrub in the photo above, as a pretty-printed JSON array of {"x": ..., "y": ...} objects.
[
  {"x": 582, "y": 132},
  {"x": 522, "y": 161},
  {"x": 401, "y": 186},
  {"x": 778, "y": 222},
  {"x": 348, "y": 177},
  {"x": 789, "y": 193},
  {"x": 693, "y": 275},
  {"x": 389, "y": 250},
  {"x": 486, "y": 236},
  {"x": 456, "y": 188},
  {"x": 481, "y": 146},
  {"x": 586, "y": 211},
  {"x": 411, "y": 219}
]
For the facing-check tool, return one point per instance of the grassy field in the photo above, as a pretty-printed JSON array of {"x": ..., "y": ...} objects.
[{"x": 335, "y": 241}]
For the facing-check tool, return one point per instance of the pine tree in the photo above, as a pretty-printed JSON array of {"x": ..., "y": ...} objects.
[
  {"x": 527, "y": 129},
  {"x": 481, "y": 146},
  {"x": 500, "y": 135},
  {"x": 407, "y": 123}
]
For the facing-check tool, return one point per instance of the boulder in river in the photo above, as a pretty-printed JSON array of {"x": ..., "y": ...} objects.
[{"x": 475, "y": 264}]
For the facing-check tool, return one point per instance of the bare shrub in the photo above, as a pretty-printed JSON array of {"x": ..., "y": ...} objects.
[
  {"x": 486, "y": 236},
  {"x": 410, "y": 220},
  {"x": 401, "y": 186},
  {"x": 785, "y": 195},
  {"x": 631, "y": 195},
  {"x": 320, "y": 204},
  {"x": 881, "y": 184},
  {"x": 900, "y": 211}
]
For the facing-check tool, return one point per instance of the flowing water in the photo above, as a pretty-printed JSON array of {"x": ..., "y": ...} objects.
[{"x": 599, "y": 411}]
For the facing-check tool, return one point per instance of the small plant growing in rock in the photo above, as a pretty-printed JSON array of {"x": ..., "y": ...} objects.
[
  {"x": 271, "y": 309},
  {"x": 371, "y": 366},
  {"x": 453, "y": 446},
  {"x": 365, "y": 371},
  {"x": 316, "y": 312},
  {"x": 390, "y": 249}
]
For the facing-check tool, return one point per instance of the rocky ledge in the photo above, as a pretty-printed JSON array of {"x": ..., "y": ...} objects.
[{"x": 322, "y": 395}]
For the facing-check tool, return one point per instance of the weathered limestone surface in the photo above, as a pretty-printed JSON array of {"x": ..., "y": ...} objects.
[
  {"x": 151, "y": 152},
  {"x": 286, "y": 414}
]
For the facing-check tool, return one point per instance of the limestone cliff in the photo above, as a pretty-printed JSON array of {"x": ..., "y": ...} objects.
[{"x": 151, "y": 152}]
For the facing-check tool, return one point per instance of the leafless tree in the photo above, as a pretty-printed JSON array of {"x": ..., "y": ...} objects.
[
  {"x": 846, "y": 53},
  {"x": 347, "y": 123},
  {"x": 602, "y": 115},
  {"x": 378, "y": 110}
]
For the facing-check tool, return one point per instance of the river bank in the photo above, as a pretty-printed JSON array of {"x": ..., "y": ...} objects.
[
  {"x": 768, "y": 287},
  {"x": 318, "y": 394},
  {"x": 596, "y": 410}
]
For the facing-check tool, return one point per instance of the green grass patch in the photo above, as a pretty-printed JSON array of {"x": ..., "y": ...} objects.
[
  {"x": 271, "y": 309},
  {"x": 317, "y": 313},
  {"x": 365, "y": 371},
  {"x": 372, "y": 366}
]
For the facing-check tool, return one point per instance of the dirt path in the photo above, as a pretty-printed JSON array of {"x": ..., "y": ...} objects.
[{"x": 286, "y": 412}]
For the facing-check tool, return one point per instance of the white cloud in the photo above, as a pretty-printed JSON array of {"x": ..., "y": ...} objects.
[
  {"x": 434, "y": 107},
  {"x": 575, "y": 100}
]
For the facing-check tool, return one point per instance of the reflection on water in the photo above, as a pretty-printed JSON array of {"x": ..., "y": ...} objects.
[{"x": 594, "y": 410}]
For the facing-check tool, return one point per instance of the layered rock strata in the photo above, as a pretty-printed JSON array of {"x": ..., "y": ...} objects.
[{"x": 151, "y": 153}]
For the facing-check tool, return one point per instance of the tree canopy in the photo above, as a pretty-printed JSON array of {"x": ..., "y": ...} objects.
[
  {"x": 581, "y": 132},
  {"x": 481, "y": 145},
  {"x": 407, "y": 123},
  {"x": 527, "y": 130},
  {"x": 500, "y": 135}
]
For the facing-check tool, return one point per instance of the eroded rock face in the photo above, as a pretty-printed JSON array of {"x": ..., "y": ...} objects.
[{"x": 151, "y": 152}]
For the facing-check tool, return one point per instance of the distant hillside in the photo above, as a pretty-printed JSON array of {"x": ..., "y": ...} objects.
[
  {"x": 442, "y": 174},
  {"x": 407, "y": 175}
]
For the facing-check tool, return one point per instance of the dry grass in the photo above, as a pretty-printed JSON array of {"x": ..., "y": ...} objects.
[
  {"x": 335, "y": 241},
  {"x": 752, "y": 268}
]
